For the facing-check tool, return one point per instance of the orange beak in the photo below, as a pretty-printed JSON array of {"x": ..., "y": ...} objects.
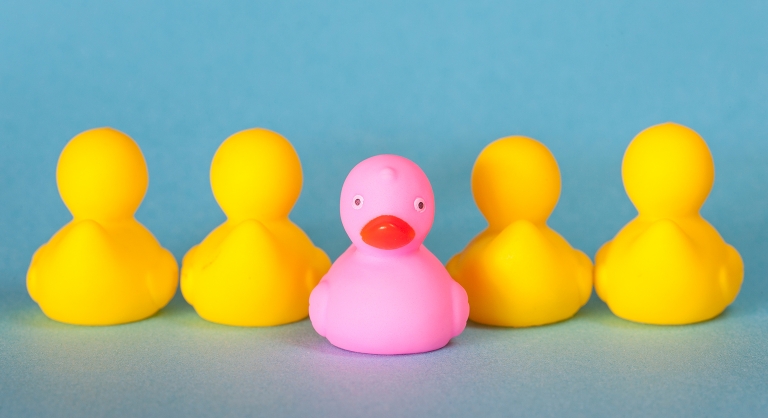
[{"x": 387, "y": 232}]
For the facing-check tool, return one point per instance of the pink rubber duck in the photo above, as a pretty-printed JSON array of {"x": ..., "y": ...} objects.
[{"x": 387, "y": 294}]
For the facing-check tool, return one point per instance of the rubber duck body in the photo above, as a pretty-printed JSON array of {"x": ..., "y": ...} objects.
[
  {"x": 519, "y": 272},
  {"x": 258, "y": 267},
  {"x": 387, "y": 294},
  {"x": 103, "y": 267},
  {"x": 668, "y": 265}
]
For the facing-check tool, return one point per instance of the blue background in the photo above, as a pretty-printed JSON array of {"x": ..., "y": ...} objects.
[{"x": 435, "y": 82}]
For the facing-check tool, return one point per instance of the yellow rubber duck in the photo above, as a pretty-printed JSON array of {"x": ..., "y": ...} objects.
[
  {"x": 103, "y": 267},
  {"x": 257, "y": 268},
  {"x": 519, "y": 272},
  {"x": 668, "y": 265}
]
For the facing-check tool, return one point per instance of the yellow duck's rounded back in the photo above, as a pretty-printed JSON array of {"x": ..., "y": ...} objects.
[
  {"x": 257, "y": 268},
  {"x": 668, "y": 265},
  {"x": 519, "y": 272},
  {"x": 103, "y": 267}
]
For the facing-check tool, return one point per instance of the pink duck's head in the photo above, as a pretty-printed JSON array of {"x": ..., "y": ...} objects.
[{"x": 387, "y": 204}]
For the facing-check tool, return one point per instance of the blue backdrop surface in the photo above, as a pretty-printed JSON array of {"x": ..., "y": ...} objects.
[{"x": 343, "y": 80}]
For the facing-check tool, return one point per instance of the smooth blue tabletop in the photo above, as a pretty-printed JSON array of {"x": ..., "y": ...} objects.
[{"x": 432, "y": 81}]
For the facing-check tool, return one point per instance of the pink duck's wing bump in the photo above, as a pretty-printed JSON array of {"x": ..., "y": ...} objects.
[
  {"x": 460, "y": 308},
  {"x": 318, "y": 303}
]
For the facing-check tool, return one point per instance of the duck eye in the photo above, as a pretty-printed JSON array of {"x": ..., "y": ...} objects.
[
  {"x": 357, "y": 202},
  {"x": 419, "y": 204}
]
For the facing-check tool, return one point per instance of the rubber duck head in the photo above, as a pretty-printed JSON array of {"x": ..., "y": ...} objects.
[
  {"x": 102, "y": 175},
  {"x": 387, "y": 205},
  {"x": 668, "y": 171},
  {"x": 515, "y": 178},
  {"x": 256, "y": 174}
]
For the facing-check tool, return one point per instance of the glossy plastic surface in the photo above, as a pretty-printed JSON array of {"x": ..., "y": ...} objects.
[
  {"x": 103, "y": 267},
  {"x": 388, "y": 295},
  {"x": 668, "y": 265},
  {"x": 519, "y": 272},
  {"x": 258, "y": 267}
]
